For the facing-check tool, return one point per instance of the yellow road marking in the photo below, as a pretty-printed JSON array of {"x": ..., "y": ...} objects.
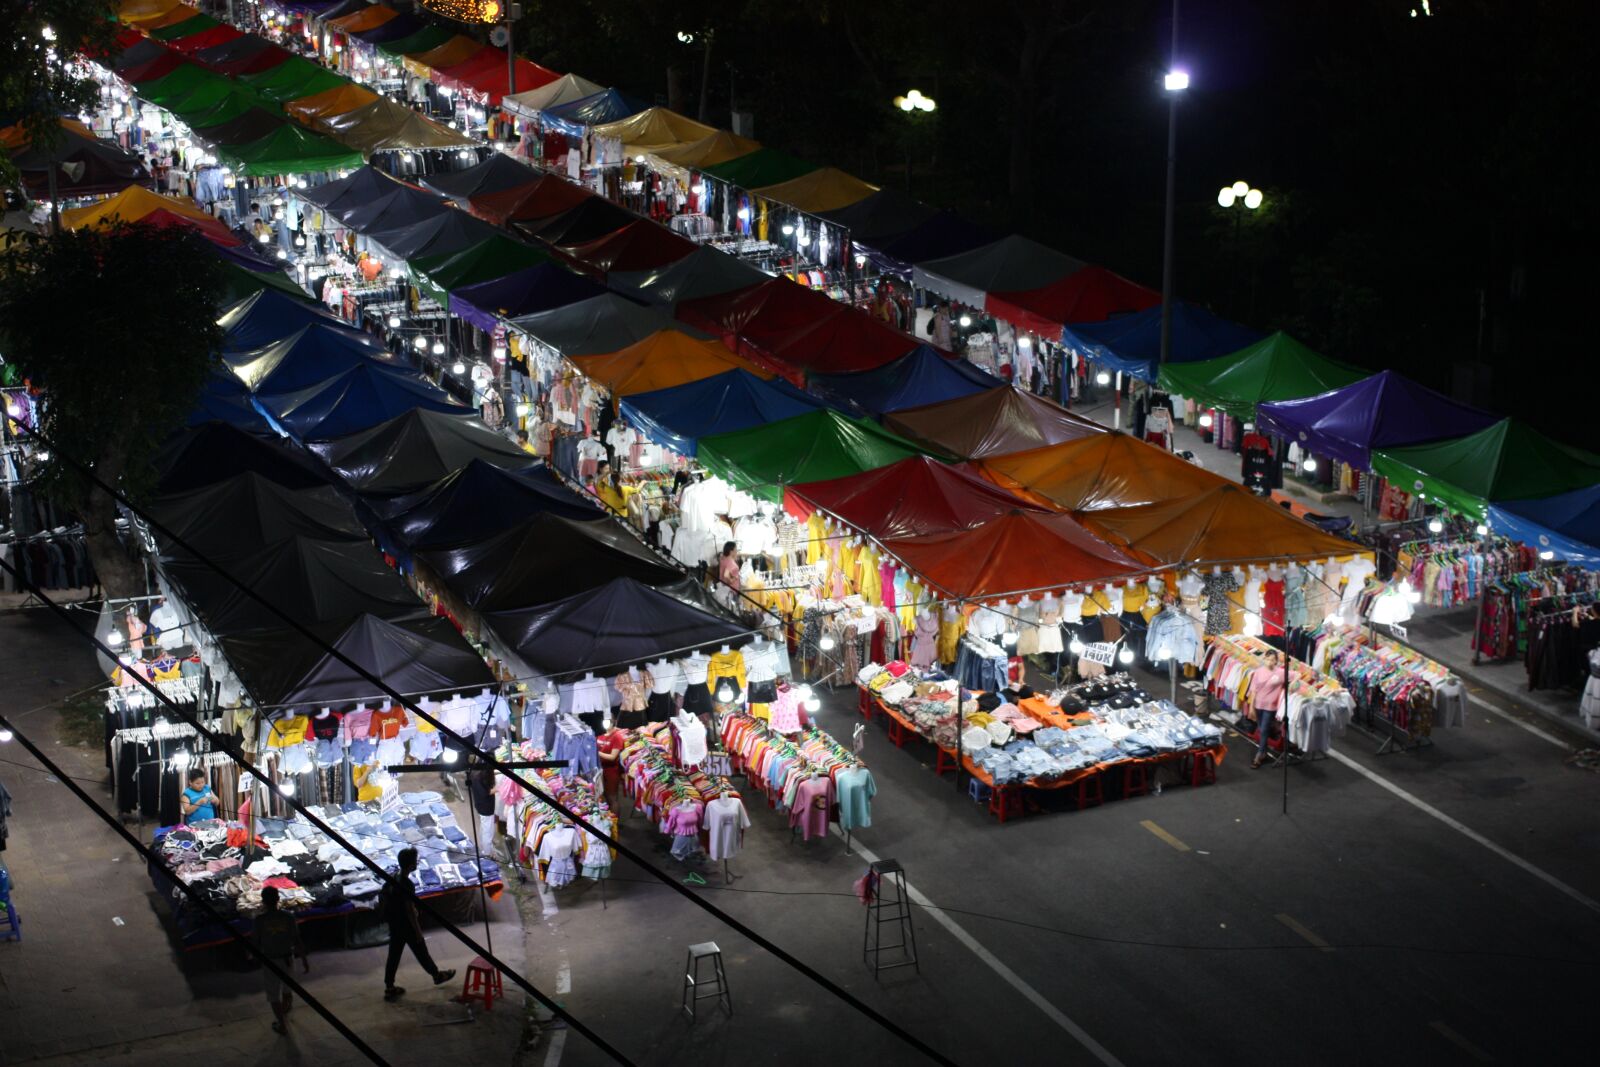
[
  {"x": 1163, "y": 835},
  {"x": 1462, "y": 1043},
  {"x": 1305, "y": 933}
]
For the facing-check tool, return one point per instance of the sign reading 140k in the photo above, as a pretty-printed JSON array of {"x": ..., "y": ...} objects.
[{"x": 1101, "y": 652}]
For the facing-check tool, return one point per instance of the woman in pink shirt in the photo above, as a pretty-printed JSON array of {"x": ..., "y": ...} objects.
[{"x": 1266, "y": 698}]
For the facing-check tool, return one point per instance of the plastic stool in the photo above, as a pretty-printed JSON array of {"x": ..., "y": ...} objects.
[
  {"x": 864, "y": 703},
  {"x": 483, "y": 983},
  {"x": 1089, "y": 793},
  {"x": 944, "y": 762},
  {"x": 1202, "y": 769},
  {"x": 1005, "y": 801},
  {"x": 1135, "y": 780},
  {"x": 716, "y": 986},
  {"x": 978, "y": 791}
]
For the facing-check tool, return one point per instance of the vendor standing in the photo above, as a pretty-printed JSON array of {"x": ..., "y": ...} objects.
[{"x": 198, "y": 802}]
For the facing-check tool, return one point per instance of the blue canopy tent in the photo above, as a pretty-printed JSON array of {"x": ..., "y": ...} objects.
[
  {"x": 1132, "y": 343},
  {"x": 524, "y": 292},
  {"x": 1566, "y": 525},
  {"x": 594, "y": 110},
  {"x": 677, "y": 417},
  {"x": 224, "y": 398},
  {"x": 355, "y": 399},
  {"x": 309, "y": 355},
  {"x": 477, "y": 502},
  {"x": 268, "y": 315},
  {"x": 920, "y": 377}
]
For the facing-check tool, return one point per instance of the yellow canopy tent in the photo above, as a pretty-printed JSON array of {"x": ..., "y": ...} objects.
[
  {"x": 14, "y": 137},
  {"x": 154, "y": 14},
  {"x": 1106, "y": 470},
  {"x": 708, "y": 151},
  {"x": 131, "y": 205},
  {"x": 663, "y": 359},
  {"x": 827, "y": 189},
  {"x": 654, "y": 131},
  {"x": 384, "y": 125},
  {"x": 457, "y": 49},
  {"x": 329, "y": 102}
]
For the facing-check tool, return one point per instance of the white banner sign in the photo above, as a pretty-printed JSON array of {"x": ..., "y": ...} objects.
[{"x": 1101, "y": 652}]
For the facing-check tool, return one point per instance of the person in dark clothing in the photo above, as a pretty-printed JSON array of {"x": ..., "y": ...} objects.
[
  {"x": 400, "y": 911},
  {"x": 277, "y": 935}
]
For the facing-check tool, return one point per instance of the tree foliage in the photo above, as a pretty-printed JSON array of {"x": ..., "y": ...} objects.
[
  {"x": 39, "y": 81},
  {"x": 117, "y": 326}
]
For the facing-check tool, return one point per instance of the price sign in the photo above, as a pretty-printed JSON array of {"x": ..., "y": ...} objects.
[{"x": 1101, "y": 652}]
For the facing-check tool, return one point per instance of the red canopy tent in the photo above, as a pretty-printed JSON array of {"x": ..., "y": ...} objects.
[
  {"x": 543, "y": 198},
  {"x": 639, "y": 245},
  {"x": 1092, "y": 294},
  {"x": 159, "y": 67},
  {"x": 212, "y": 228},
  {"x": 991, "y": 423},
  {"x": 484, "y": 74},
  {"x": 911, "y": 498},
  {"x": 1022, "y": 551},
  {"x": 205, "y": 39},
  {"x": 265, "y": 59}
]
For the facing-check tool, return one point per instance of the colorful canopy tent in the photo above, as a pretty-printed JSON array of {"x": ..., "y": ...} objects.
[
  {"x": 1092, "y": 294},
  {"x": 599, "y": 326},
  {"x": 405, "y": 24},
  {"x": 719, "y": 147},
  {"x": 496, "y": 173},
  {"x": 240, "y": 282},
  {"x": 664, "y": 359},
  {"x": 304, "y": 358},
  {"x": 992, "y": 423},
  {"x": 704, "y": 272},
  {"x": 1566, "y": 525},
  {"x": 654, "y": 130},
  {"x": 1108, "y": 470},
  {"x": 825, "y": 189},
  {"x": 227, "y": 109},
  {"x": 1021, "y": 551},
  {"x": 678, "y": 416},
  {"x": 1131, "y": 344},
  {"x": 549, "y": 558},
  {"x": 1387, "y": 410},
  {"x": 607, "y": 628},
  {"x": 179, "y": 83},
  {"x": 289, "y": 150},
  {"x": 218, "y": 452},
  {"x": 152, "y": 69},
  {"x": 525, "y": 292},
  {"x": 1225, "y": 525},
  {"x": 385, "y": 126},
  {"x": 293, "y": 79},
  {"x": 282, "y": 667},
  {"x": 921, "y": 377},
  {"x": 528, "y": 103},
  {"x": 206, "y": 39},
  {"x": 912, "y": 498},
  {"x": 822, "y": 444},
  {"x": 639, "y": 245},
  {"x": 884, "y": 214},
  {"x": 216, "y": 520},
  {"x": 759, "y": 169},
  {"x": 335, "y": 101},
  {"x": 414, "y": 450},
  {"x": 398, "y": 206},
  {"x": 1275, "y": 368},
  {"x": 478, "y": 501},
  {"x": 456, "y": 50},
  {"x": 15, "y": 137},
  {"x": 310, "y": 581},
  {"x": 490, "y": 80},
  {"x": 1011, "y": 264},
  {"x": 131, "y": 205},
  {"x": 544, "y": 197},
  {"x": 448, "y": 231},
  {"x": 575, "y": 116},
  {"x": 415, "y": 44},
  {"x": 250, "y": 125},
  {"x": 495, "y": 258},
  {"x": 355, "y": 400},
  {"x": 224, "y": 398},
  {"x": 270, "y": 316},
  {"x": 196, "y": 23},
  {"x": 593, "y": 218},
  {"x": 1510, "y": 460},
  {"x": 242, "y": 55}
]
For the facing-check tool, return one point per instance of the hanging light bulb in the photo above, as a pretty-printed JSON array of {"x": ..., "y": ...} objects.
[
  {"x": 1481, "y": 530},
  {"x": 457, "y": 367},
  {"x": 114, "y": 639},
  {"x": 264, "y": 238},
  {"x": 449, "y": 755},
  {"x": 1435, "y": 526},
  {"x": 1008, "y": 638},
  {"x": 286, "y": 787},
  {"x": 394, "y": 322},
  {"x": 1310, "y": 465},
  {"x": 1547, "y": 554},
  {"x": 1103, "y": 378},
  {"x": 282, "y": 254},
  {"x": 827, "y": 642},
  {"x": 1164, "y": 653},
  {"x": 698, "y": 189},
  {"x": 421, "y": 344},
  {"x": 396, "y": 273},
  {"x": 523, "y": 407},
  {"x": 13, "y": 409},
  {"x": 1205, "y": 422},
  {"x": 965, "y": 320},
  {"x": 744, "y": 214},
  {"x": 499, "y": 351},
  {"x": 814, "y": 704},
  {"x": 1075, "y": 647},
  {"x": 299, "y": 240},
  {"x": 805, "y": 240},
  {"x": 861, "y": 260},
  {"x": 725, "y": 693},
  {"x": 788, "y": 229},
  {"x": 438, "y": 348},
  {"x": 1126, "y": 655},
  {"x": 5, "y": 735}
]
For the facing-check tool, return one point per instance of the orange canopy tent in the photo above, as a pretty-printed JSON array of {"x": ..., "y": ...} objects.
[
  {"x": 1225, "y": 525},
  {"x": 1108, "y": 470},
  {"x": 335, "y": 101},
  {"x": 131, "y": 205},
  {"x": 992, "y": 423},
  {"x": 15, "y": 137},
  {"x": 663, "y": 359},
  {"x": 156, "y": 16},
  {"x": 916, "y": 496},
  {"x": 1023, "y": 551},
  {"x": 368, "y": 18}
]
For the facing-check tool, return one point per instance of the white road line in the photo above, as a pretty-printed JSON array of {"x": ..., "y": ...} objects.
[
  {"x": 1304, "y": 931},
  {"x": 1514, "y": 721},
  {"x": 1010, "y": 977},
  {"x": 563, "y": 980},
  {"x": 558, "y": 1045},
  {"x": 1467, "y": 831}
]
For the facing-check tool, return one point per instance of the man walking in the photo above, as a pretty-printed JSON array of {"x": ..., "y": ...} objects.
[
  {"x": 278, "y": 937},
  {"x": 400, "y": 911}
]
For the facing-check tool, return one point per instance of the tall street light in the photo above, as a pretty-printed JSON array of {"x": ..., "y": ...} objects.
[
  {"x": 1240, "y": 198},
  {"x": 1176, "y": 82}
]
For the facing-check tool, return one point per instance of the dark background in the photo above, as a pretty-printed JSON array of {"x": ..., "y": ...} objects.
[{"x": 1426, "y": 204}]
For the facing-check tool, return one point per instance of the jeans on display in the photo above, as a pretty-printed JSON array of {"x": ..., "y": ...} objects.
[{"x": 401, "y": 936}]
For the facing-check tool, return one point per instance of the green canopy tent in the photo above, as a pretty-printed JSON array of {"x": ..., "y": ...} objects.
[
  {"x": 424, "y": 39},
  {"x": 813, "y": 447},
  {"x": 290, "y": 150},
  {"x": 204, "y": 99},
  {"x": 1275, "y": 368},
  {"x": 187, "y": 28},
  {"x": 758, "y": 169},
  {"x": 292, "y": 79},
  {"x": 227, "y": 109},
  {"x": 178, "y": 84},
  {"x": 1507, "y": 461},
  {"x": 494, "y": 258},
  {"x": 239, "y": 283}
]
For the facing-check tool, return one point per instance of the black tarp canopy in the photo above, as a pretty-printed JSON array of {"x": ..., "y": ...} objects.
[
  {"x": 359, "y": 187},
  {"x": 312, "y": 354},
  {"x": 411, "y": 656},
  {"x": 608, "y": 628},
  {"x": 249, "y": 511},
  {"x": 549, "y": 558},
  {"x": 217, "y": 452},
  {"x": 414, "y": 450},
  {"x": 268, "y": 315},
  {"x": 599, "y": 326},
  {"x": 479, "y": 501},
  {"x": 400, "y": 207},
  {"x": 494, "y": 174},
  {"x": 355, "y": 400},
  {"x": 448, "y": 231},
  {"x": 308, "y": 580}
]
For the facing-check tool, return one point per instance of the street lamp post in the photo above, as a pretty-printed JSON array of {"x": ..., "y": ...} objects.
[
  {"x": 912, "y": 102},
  {"x": 1176, "y": 82},
  {"x": 1245, "y": 198}
]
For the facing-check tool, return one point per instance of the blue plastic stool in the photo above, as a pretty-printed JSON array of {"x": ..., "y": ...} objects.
[
  {"x": 10, "y": 921},
  {"x": 978, "y": 791}
]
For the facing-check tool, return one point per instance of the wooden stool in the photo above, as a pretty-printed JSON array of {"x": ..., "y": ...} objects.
[
  {"x": 483, "y": 983},
  {"x": 714, "y": 985},
  {"x": 1089, "y": 793}
]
